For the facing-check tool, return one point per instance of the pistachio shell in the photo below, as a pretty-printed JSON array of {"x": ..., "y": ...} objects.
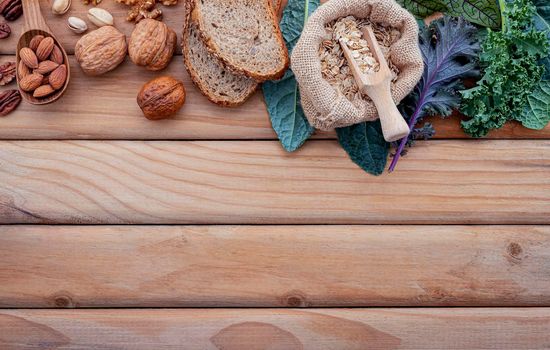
[
  {"x": 100, "y": 17},
  {"x": 60, "y": 7},
  {"x": 77, "y": 25}
]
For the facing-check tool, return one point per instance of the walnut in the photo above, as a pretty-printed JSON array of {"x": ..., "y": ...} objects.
[
  {"x": 93, "y": 2},
  {"x": 161, "y": 97},
  {"x": 128, "y": 2},
  {"x": 152, "y": 44},
  {"x": 142, "y": 9},
  {"x": 101, "y": 50}
]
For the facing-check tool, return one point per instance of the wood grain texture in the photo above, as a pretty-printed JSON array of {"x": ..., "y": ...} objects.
[
  {"x": 172, "y": 16},
  {"x": 256, "y": 182},
  {"x": 105, "y": 108},
  {"x": 316, "y": 329},
  {"x": 274, "y": 266}
]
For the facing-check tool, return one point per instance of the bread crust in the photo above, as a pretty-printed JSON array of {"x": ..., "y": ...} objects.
[
  {"x": 189, "y": 4},
  {"x": 214, "y": 49}
]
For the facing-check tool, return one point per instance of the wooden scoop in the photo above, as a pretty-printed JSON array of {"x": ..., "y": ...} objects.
[
  {"x": 36, "y": 25},
  {"x": 377, "y": 86}
]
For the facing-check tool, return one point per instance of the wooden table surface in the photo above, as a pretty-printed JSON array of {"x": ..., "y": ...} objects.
[{"x": 200, "y": 232}]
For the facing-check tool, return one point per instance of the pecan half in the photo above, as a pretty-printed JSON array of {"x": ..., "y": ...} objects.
[
  {"x": 5, "y": 30},
  {"x": 3, "y": 5},
  {"x": 11, "y": 9},
  {"x": 9, "y": 100},
  {"x": 7, "y": 72}
]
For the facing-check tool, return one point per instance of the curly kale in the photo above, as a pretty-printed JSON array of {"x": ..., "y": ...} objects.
[{"x": 512, "y": 69}]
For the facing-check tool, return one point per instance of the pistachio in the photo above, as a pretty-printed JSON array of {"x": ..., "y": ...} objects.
[
  {"x": 60, "y": 7},
  {"x": 100, "y": 17},
  {"x": 77, "y": 25}
]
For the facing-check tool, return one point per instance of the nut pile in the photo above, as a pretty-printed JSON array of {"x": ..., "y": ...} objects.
[
  {"x": 333, "y": 63},
  {"x": 41, "y": 68},
  {"x": 10, "y": 10},
  {"x": 9, "y": 99},
  {"x": 141, "y": 9}
]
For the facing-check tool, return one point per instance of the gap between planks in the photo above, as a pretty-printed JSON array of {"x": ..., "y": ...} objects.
[{"x": 273, "y": 266}]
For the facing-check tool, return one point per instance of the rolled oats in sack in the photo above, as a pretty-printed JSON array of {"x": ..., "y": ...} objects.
[{"x": 330, "y": 97}]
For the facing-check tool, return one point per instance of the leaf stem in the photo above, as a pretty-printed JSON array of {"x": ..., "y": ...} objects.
[
  {"x": 403, "y": 143},
  {"x": 502, "y": 5}
]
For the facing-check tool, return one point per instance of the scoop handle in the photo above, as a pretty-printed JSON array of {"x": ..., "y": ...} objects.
[
  {"x": 394, "y": 126},
  {"x": 33, "y": 16}
]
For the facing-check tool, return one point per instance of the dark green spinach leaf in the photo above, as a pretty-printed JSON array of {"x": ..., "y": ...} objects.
[
  {"x": 423, "y": 8},
  {"x": 483, "y": 12},
  {"x": 365, "y": 145}
]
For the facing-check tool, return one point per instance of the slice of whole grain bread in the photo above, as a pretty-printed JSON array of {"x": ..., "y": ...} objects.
[
  {"x": 213, "y": 79},
  {"x": 244, "y": 35},
  {"x": 209, "y": 74}
]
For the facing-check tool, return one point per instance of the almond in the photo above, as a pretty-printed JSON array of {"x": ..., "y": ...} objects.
[
  {"x": 46, "y": 67},
  {"x": 43, "y": 91},
  {"x": 35, "y": 41},
  {"x": 58, "y": 77},
  {"x": 23, "y": 70},
  {"x": 45, "y": 48},
  {"x": 45, "y": 80},
  {"x": 30, "y": 82},
  {"x": 57, "y": 55},
  {"x": 28, "y": 57}
]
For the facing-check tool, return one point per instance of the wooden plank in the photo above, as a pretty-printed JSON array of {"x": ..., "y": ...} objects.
[
  {"x": 274, "y": 266},
  {"x": 257, "y": 182},
  {"x": 173, "y": 17},
  {"x": 317, "y": 329},
  {"x": 105, "y": 108}
]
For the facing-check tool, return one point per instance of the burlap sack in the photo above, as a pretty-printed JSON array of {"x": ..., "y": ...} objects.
[{"x": 324, "y": 106}]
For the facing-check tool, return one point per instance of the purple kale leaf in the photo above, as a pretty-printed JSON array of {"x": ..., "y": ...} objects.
[{"x": 450, "y": 49}]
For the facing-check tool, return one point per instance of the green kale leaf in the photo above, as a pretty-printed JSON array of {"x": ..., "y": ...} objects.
[
  {"x": 365, "y": 145},
  {"x": 282, "y": 97},
  {"x": 511, "y": 66},
  {"x": 537, "y": 112},
  {"x": 542, "y": 23}
]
